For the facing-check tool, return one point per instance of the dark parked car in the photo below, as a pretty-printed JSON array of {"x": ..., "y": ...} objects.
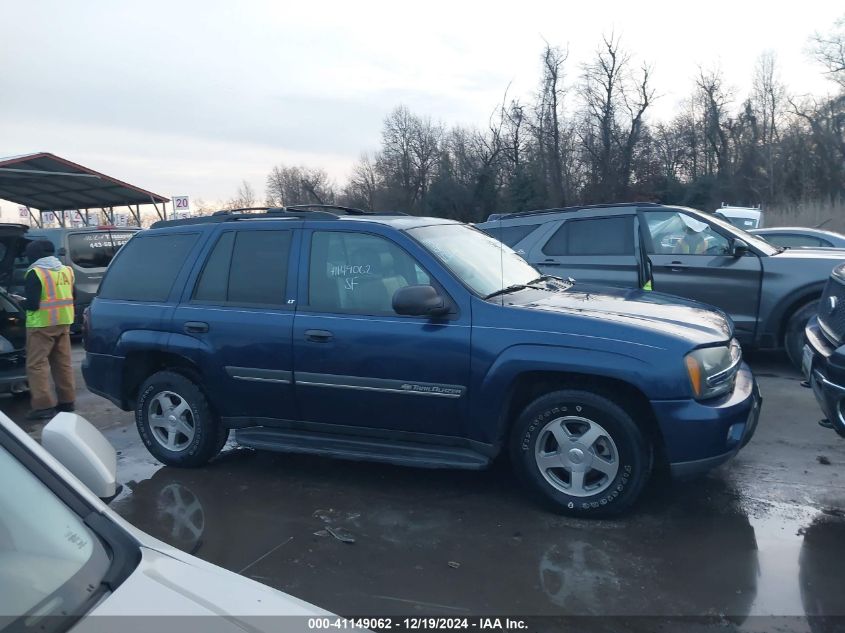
[
  {"x": 824, "y": 353},
  {"x": 88, "y": 250},
  {"x": 800, "y": 237},
  {"x": 413, "y": 341},
  {"x": 769, "y": 292},
  {"x": 12, "y": 316}
]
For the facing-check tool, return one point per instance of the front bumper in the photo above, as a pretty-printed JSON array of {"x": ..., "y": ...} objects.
[
  {"x": 699, "y": 436},
  {"x": 824, "y": 368}
]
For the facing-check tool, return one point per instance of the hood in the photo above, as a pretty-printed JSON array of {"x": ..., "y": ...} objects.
[
  {"x": 696, "y": 322},
  {"x": 11, "y": 241},
  {"x": 171, "y": 586},
  {"x": 832, "y": 254}
]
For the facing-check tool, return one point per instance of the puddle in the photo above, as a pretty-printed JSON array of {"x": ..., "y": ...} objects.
[{"x": 446, "y": 541}]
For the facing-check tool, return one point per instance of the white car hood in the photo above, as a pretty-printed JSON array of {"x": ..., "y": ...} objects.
[{"x": 165, "y": 586}]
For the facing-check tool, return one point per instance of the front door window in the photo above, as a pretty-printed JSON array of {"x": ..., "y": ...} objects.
[
  {"x": 358, "y": 273},
  {"x": 677, "y": 233}
]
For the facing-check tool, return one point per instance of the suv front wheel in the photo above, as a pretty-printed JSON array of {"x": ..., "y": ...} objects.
[
  {"x": 175, "y": 421},
  {"x": 581, "y": 452}
]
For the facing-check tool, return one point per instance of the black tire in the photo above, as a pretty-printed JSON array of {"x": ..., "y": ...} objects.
[
  {"x": 208, "y": 434},
  {"x": 793, "y": 340},
  {"x": 634, "y": 453}
]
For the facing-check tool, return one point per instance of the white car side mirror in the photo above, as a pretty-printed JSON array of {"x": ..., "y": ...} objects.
[{"x": 84, "y": 451}]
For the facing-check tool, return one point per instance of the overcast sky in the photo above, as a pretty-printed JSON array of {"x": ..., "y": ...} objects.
[{"x": 191, "y": 97}]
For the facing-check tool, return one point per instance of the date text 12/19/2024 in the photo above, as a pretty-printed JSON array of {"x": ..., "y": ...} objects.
[{"x": 418, "y": 623}]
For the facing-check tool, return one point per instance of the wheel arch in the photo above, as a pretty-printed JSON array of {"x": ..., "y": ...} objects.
[
  {"x": 527, "y": 386},
  {"x": 140, "y": 365},
  {"x": 791, "y": 304}
]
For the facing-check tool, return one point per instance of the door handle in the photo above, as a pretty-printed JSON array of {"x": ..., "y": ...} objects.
[
  {"x": 551, "y": 262},
  {"x": 318, "y": 336},
  {"x": 195, "y": 327},
  {"x": 677, "y": 267}
]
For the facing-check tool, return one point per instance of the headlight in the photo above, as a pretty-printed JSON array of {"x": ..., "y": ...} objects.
[{"x": 712, "y": 370}]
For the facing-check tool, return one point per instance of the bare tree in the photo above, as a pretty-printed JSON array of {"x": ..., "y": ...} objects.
[
  {"x": 245, "y": 196},
  {"x": 615, "y": 104},
  {"x": 714, "y": 98},
  {"x": 829, "y": 50},
  {"x": 768, "y": 100},
  {"x": 409, "y": 156},
  {"x": 636, "y": 107},
  {"x": 549, "y": 128},
  {"x": 298, "y": 185},
  {"x": 364, "y": 184}
]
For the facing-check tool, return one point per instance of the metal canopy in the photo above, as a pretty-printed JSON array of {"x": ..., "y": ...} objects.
[{"x": 46, "y": 182}]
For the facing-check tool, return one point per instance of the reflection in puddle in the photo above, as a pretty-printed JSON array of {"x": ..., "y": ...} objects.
[
  {"x": 579, "y": 579},
  {"x": 181, "y": 510},
  {"x": 692, "y": 550},
  {"x": 778, "y": 532}
]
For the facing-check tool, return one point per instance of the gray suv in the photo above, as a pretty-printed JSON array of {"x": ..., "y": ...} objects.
[{"x": 769, "y": 292}]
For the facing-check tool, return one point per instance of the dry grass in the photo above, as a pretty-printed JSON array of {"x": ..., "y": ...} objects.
[{"x": 830, "y": 214}]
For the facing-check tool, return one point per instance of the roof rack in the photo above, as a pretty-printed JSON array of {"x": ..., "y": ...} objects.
[
  {"x": 521, "y": 214},
  {"x": 298, "y": 211}
]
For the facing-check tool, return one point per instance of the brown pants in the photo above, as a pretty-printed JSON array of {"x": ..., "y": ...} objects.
[{"x": 48, "y": 351}]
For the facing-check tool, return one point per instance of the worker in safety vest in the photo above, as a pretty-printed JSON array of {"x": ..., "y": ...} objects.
[
  {"x": 49, "y": 294},
  {"x": 692, "y": 241}
]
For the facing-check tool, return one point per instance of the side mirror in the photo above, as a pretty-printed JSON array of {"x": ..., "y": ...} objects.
[
  {"x": 740, "y": 248},
  {"x": 84, "y": 451},
  {"x": 419, "y": 301}
]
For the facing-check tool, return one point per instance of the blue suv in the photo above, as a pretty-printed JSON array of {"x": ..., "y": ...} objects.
[{"x": 412, "y": 341}]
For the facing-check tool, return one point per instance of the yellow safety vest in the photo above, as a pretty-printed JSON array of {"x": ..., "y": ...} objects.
[{"x": 56, "y": 307}]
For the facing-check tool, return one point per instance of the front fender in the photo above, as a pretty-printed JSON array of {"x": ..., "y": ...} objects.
[{"x": 494, "y": 388}]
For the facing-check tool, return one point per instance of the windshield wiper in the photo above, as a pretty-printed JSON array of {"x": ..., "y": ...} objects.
[
  {"x": 552, "y": 278},
  {"x": 512, "y": 288}
]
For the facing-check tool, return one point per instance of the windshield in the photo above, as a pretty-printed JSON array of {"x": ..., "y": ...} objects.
[
  {"x": 735, "y": 231},
  {"x": 481, "y": 262},
  {"x": 96, "y": 249},
  {"x": 49, "y": 559}
]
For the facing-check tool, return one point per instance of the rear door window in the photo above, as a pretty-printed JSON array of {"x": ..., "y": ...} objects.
[
  {"x": 246, "y": 268},
  {"x": 597, "y": 236},
  {"x": 96, "y": 249},
  {"x": 510, "y": 235},
  {"x": 147, "y": 268}
]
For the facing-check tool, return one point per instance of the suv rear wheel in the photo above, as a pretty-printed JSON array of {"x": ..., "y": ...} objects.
[
  {"x": 175, "y": 421},
  {"x": 581, "y": 452}
]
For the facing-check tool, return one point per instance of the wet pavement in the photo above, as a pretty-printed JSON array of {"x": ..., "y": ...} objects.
[{"x": 763, "y": 535}]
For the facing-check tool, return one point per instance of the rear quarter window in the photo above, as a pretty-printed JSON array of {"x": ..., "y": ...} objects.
[{"x": 148, "y": 267}]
